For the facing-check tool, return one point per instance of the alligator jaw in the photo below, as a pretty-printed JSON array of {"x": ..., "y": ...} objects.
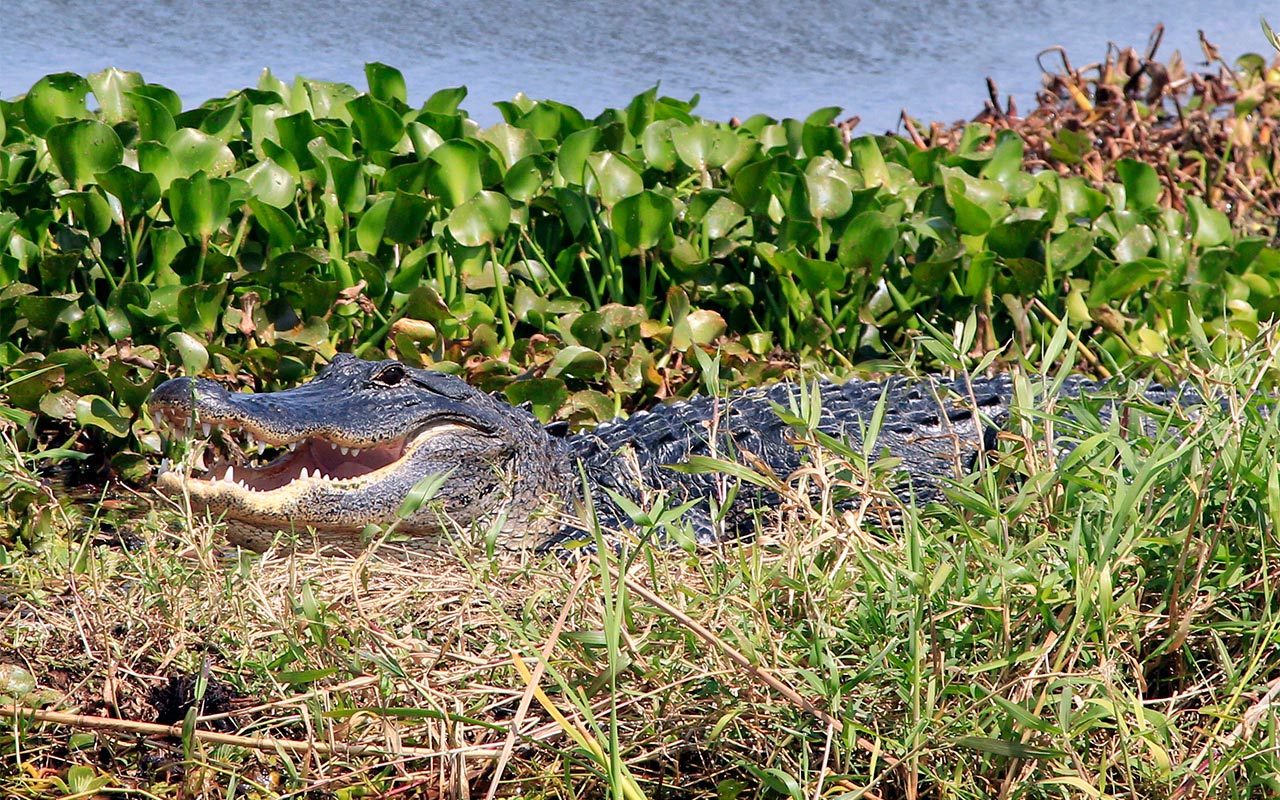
[{"x": 309, "y": 462}]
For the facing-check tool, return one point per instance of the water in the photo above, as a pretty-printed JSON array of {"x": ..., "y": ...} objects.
[{"x": 784, "y": 59}]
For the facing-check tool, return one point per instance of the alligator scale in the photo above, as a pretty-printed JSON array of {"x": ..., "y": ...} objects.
[{"x": 350, "y": 446}]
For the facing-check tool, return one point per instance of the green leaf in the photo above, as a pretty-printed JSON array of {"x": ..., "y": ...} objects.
[
  {"x": 191, "y": 351},
  {"x": 458, "y": 177},
  {"x": 571, "y": 158},
  {"x": 659, "y": 150},
  {"x": 281, "y": 230},
  {"x": 527, "y": 178},
  {"x": 163, "y": 95},
  {"x": 815, "y": 274},
  {"x": 200, "y": 306},
  {"x": 377, "y": 124},
  {"x": 386, "y": 83},
  {"x": 481, "y": 220},
  {"x": 1080, "y": 200},
  {"x": 373, "y": 223},
  {"x": 224, "y": 123},
  {"x": 296, "y": 133},
  {"x": 642, "y": 221},
  {"x": 829, "y": 197},
  {"x": 1141, "y": 184},
  {"x": 199, "y": 205},
  {"x": 701, "y": 146},
  {"x": 55, "y": 98},
  {"x": 822, "y": 139},
  {"x": 155, "y": 160},
  {"x": 405, "y": 217},
  {"x": 867, "y": 242},
  {"x": 349, "y": 183},
  {"x": 91, "y": 211},
  {"x": 82, "y": 149},
  {"x": 1068, "y": 249},
  {"x": 1007, "y": 748},
  {"x": 445, "y": 101},
  {"x": 611, "y": 178},
  {"x": 1209, "y": 226},
  {"x": 971, "y": 218},
  {"x": 1124, "y": 279},
  {"x": 270, "y": 183},
  {"x": 112, "y": 88},
  {"x": 1005, "y": 163},
  {"x": 577, "y": 362},
  {"x": 194, "y": 151},
  {"x": 866, "y": 157},
  {"x": 512, "y": 144},
  {"x": 137, "y": 191},
  {"x": 97, "y": 412},
  {"x": 545, "y": 395},
  {"x": 723, "y": 218}
]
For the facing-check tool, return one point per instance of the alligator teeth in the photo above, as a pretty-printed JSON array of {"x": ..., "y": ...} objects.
[
  {"x": 333, "y": 445},
  {"x": 304, "y": 475},
  {"x": 206, "y": 428},
  {"x": 355, "y": 451},
  {"x": 230, "y": 477},
  {"x": 344, "y": 449},
  {"x": 261, "y": 447},
  {"x": 292, "y": 446}
]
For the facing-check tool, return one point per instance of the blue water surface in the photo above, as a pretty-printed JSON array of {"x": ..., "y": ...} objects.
[{"x": 870, "y": 57}]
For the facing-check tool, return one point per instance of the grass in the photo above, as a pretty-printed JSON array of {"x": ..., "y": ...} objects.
[{"x": 1102, "y": 624}]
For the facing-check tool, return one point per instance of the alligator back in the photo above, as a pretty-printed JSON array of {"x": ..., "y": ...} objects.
[
  {"x": 933, "y": 428},
  {"x": 930, "y": 426}
]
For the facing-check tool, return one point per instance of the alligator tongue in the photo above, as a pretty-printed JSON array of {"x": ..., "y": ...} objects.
[{"x": 318, "y": 458}]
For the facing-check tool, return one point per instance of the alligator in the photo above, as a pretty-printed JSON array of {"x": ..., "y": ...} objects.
[{"x": 346, "y": 450}]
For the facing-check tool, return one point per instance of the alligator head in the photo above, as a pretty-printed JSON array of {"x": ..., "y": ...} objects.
[{"x": 348, "y": 448}]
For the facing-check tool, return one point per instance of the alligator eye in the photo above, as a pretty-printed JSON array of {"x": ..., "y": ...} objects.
[{"x": 391, "y": 375}]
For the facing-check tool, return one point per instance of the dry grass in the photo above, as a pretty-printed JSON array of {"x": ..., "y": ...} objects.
[{"x": 1104, "y": 626}]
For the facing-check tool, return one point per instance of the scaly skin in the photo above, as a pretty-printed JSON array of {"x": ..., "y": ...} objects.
[{"x": 375, "y": 430}]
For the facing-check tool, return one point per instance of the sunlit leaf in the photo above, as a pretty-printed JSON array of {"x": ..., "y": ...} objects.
[
  {"x": 194, "y": 151},
  {"x": 577, "y": 362},
  {"x": 610, "y": 177},
  {"x": 55, "y": 98},
  {"x": 1209, "y": 227},
  {"x": 82, "y": 149},
  {"x": 701, "y": 146},
  {"x": 481, "y": 220},
  {"x": 829, "y": 198},
  {"x": 458, "y": 177},
  {"x": 112, "y": 88},
  {"x": 511, "y": 143},
  {"x": 191, "y": 351},
  {"x": 386, "y": 83},
  {"x": 270, "y": 183}
]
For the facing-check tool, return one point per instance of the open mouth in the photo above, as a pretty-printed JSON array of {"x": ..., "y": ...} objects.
[{"x": 230, "y": 454}]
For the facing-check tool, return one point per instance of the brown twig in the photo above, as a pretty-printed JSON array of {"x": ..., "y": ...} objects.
[{"x": 266, "y": 743}]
